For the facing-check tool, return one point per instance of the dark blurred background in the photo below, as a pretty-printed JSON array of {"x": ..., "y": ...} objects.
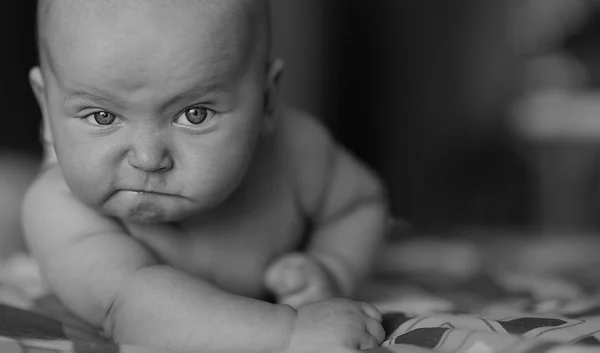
[
  {"x": 19, "y": 130},
  {"x": 415, "y": 89},
  {"x": 420, "y": 90}
]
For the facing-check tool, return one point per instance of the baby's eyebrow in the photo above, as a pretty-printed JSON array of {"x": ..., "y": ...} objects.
[
  {"x": 213, "y": 90},
  {"x": 72, "y": 98}
]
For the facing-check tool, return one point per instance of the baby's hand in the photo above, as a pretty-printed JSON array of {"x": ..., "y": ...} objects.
[
  {"x": 336, "y": 322},
  {"x": 296, "y": 279}
]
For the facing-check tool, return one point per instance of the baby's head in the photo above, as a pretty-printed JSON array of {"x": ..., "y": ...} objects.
[{"x": 154, "y": 107}]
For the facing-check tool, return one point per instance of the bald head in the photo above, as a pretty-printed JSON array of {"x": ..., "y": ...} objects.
[{"x": 247, "y": 22}]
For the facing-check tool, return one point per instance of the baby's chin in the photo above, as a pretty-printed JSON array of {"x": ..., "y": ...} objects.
[{"x": 148, "y": 213}]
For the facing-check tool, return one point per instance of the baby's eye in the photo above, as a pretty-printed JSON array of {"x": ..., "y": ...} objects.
[
  {"x": 101, "y": 118},
  {"x": 194, "y": 116}
]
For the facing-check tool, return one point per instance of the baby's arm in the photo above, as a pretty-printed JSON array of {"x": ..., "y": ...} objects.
[
  {"x": 345, "y": 201},
  {"x": 106, "y": 277},
  {"x": 110, "y": 280},
  {"x": 350, "y": 223}
]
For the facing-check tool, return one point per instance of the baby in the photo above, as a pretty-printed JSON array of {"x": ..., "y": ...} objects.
[{"x": 178, "y": 193}]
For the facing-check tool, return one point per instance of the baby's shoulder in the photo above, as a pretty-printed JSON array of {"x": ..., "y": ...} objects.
[
  {"x": 48, "y": 186},
  {"x": 49, "y": 210},
  {"x": 310, "y": 149},
  {"x": 303, "y": 132}
]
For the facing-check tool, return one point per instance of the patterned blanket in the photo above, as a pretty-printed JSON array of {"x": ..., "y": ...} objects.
[
  {"x": 491, "y": 293},
  {"x": 484, "y": 294}
]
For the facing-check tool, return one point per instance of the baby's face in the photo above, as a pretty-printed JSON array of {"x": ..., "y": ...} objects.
[{"x": 154, "y": 114}]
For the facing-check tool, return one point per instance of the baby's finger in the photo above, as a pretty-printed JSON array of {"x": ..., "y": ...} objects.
[
  {"x": 294, "y": 300},
  {"x": 371, "y": 311},
  {"x": 375, "y": 329},
  {"x": 283, "y": 280},
  {"x": 367, "y": 342}
]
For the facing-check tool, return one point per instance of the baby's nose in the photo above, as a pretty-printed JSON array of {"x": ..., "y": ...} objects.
[{"x": 149, "y": 153}]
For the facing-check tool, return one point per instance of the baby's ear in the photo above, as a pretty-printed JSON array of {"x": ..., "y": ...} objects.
[
  {"x": 274, "y": 73},
  {"x": 36, "y": 80}
]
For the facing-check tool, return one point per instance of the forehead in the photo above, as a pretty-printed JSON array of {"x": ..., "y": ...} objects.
[{"x": 135, "y": 40}]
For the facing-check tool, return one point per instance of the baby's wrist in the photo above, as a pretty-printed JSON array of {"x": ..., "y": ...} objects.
[
  {"x": 289, "y": 317},
  {"x": 338, "y": 271}
]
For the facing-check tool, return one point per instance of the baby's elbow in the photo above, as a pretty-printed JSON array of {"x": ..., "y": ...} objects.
[
  {"x": 376, "y": 197},
  {"x": 376, "y": 191}
]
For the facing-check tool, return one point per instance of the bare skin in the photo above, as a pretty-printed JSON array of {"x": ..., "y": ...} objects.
[{"x": 181, "y": 189}]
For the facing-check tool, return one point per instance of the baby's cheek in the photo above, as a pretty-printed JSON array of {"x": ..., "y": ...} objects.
[
  {"x": 90, "y": 187},
  {"x": 215, "y": 179}
]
